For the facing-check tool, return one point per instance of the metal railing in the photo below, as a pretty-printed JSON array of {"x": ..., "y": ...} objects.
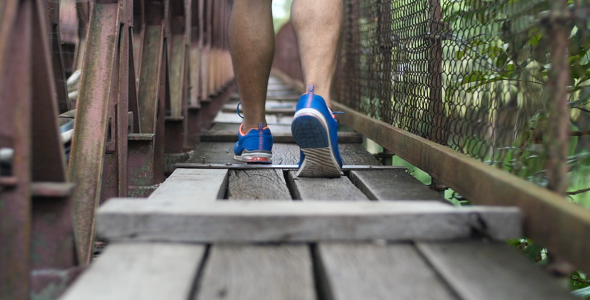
[
  {"x": 153, "y": 72},
  {"x": 504, "y": 82},
  {"x": 490, "y": 79}
]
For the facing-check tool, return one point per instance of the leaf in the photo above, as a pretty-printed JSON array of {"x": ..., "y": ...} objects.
[
  {"x": 585, "y": 292},
  {"x": 473, "y": 77},
  {"x": 533, "y": 252},
  {"x": 459, "y": 55},
  {"x": 585, "y": 59}
]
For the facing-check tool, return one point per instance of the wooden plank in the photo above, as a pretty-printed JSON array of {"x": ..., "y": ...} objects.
[
  {"x": 218, "y": 153},
  {"x": 227, "y": 132},
  {"x": 392, "y": 185},
  {"x": 352, "y": 154},
  {"x": 548, "y": 215},
  {"x": 257, "y": 185},
  {"x": 324, "y": 189},
  {"x": 482, "y": 270},
  {"x": 192, "y": 185},
  {"x": 271, "y": 107},
  {"x": 139, "y": 271},
  {"x": 371, "y": 271},
  {"x": 248, "y": 272},
  {"x": 356, "y": 154},
  {"x": 233, "y": 118},
  {"x": 283, "y": 154},
  {"x": 278, "y": 221}
]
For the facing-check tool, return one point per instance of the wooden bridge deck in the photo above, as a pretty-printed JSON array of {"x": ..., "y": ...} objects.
[{"x": 189, "y": 240}]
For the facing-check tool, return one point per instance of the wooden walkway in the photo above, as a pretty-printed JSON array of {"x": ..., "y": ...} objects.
[{"x": 386, "y": 235}]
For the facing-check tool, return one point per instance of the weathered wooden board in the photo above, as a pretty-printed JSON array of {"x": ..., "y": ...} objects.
[
  {"x": 484, "y": 271},
  {"x": 278, "y": 221},
  {"x": 139, "y": 271},
  {"x": 227, "y": 132},
  {"x": 192, "y": 185},
  {"x": 248, "y": 272},
  {"x": 258, "y": 185},
  {"x": 271, "y": 107},
  {"x": 351, "y": 154},
  {"x": 324, "y": 189},
  {"x": 375, "y": 272},
  {"x": 233, "y": 118},
  {"x": 283, "y": 154},
  {"x": 392, "y": 185},
  {"x": 218, "y": 153},
  {"x": 356, "y": 154}
]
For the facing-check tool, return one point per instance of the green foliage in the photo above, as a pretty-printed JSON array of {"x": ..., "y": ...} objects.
[{"x": 505, "y": 51}]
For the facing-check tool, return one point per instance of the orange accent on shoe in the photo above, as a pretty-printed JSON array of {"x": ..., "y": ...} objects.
[
  {"x": 241, "y": 128},
  {"x": 258, "y": 159}
]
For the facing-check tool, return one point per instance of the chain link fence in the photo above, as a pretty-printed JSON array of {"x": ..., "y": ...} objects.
[{"x": 474, "y": 75}]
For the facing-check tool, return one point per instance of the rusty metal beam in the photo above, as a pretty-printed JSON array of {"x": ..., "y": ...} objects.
[
  {"x": 52, "y": 244},
  {"x": 88, "y": 144},
  {"x": 549, "y": 219},
  {"x": 59, "y": 72},
  {"x": 15, "y": 100},
  {"x": 558, "y": 88}
]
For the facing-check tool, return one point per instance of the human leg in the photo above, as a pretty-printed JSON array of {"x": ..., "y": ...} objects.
[
  {"x": 251, "y": 37},
  {"x": 318, "y": 26}
]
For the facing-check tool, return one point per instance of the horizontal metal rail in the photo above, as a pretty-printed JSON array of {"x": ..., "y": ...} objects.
[{"x": 232, "y": 166}]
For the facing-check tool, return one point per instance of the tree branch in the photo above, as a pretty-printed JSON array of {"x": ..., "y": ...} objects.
[
  {"x": 578, "y": 192},
  {"x": 580, "y": 280},
  {"x": 580, "y": 133}
]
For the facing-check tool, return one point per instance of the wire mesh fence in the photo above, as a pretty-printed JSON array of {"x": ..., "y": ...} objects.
[{"x": 474, "y": 75}]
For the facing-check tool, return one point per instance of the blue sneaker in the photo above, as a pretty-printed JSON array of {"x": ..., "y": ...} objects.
[
  {"x": 255, "y": 146},
  {"x": 316, "y": 132}
]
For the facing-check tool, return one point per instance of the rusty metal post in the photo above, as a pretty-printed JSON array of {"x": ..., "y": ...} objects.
[
  {"x": 384, "y": 28},
  {"x": 559, "y": 115},
  {"x": 88, "y": 143},
  {"x": 436, "y": 109},
  {"x": 146, "y": 162},
  {"x": 15, "y": 100},
  {"x": 52, "y": 238},
  {"x": 193, "y": 130},
  {"x": 59, "y": 72},
  {"x": 35, "y": 206},
  {"x": 206, "y": 50},
  {"x": 179, "y": 65}
]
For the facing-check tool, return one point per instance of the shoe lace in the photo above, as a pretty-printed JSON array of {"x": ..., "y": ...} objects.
[{"x": 238, "y": 110}]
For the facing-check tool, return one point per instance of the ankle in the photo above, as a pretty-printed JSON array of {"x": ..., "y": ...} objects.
[{"x": 249, "y": 126}]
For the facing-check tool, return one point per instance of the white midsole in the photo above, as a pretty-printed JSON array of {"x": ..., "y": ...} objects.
[{"x": 315, "y": 113}]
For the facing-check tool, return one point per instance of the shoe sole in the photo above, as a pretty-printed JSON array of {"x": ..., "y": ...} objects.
[
  {"x": 310, "y": 131},
  {"x": 254, "y": 157}
]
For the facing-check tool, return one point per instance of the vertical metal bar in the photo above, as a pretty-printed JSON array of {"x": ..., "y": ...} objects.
[
  {"x": 206, "y": 50},
  {"x": 52, "y": 237},
  {"x": 384, "y": 36},
  {"x": 195, "y": 53},
  {"x": 110, "y": 173},
  {"x": 177, "y": 57},
  {"x": 151, "y": 56},
  {"x": 436, "y": 106},
  {"x": 559, "y": 115},
  {"x": 88, "y": 143},
  {"x": 15, "y": 100},
  {"x": 59, "y": 71}
]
